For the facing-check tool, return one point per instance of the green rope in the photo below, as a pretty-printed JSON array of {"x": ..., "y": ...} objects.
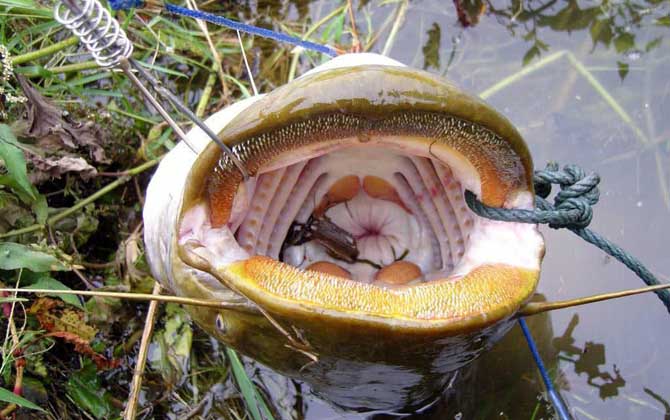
[{"x": 571, "y": 210}]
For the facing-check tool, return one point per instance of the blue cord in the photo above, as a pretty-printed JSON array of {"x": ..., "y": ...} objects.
[
  {"x": 125, "y": 4},
  {"x": 267, "y": 33},
  {"x": 554, "y": 396},
  {"x": 220, "y": 20}
]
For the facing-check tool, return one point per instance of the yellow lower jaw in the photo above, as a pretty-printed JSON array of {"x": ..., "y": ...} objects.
[{"x": 453, "y": 305}]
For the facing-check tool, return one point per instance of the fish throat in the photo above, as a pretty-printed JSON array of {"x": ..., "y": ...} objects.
[{"x": 361, "y": 212}]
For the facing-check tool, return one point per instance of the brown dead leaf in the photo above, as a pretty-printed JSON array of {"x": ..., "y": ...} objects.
[
  {"x": 69, "y": 324},
  {"x": 56, "y": 132},
  {"x": 54, "y": 316},
  {"x": 41, "y": 307},
  {"x": 82, "y": 346},
  {"x": 48, "y": 168}
]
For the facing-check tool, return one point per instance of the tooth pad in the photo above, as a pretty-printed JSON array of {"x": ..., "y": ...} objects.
[
  {"x": 484, "y": 296},
  {"x": 500, "y": 168},
  {"x": 432, "y": 197}
]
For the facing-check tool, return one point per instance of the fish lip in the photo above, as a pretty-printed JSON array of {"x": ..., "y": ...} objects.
[
  {"x": 240, "y": 125},
  {"x": 452, "y": 320}
]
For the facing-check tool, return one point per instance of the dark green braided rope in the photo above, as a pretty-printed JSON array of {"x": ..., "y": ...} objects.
[{"x": 571, "y": 210}]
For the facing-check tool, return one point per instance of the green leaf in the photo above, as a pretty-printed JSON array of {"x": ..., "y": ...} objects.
[
  {"x": 12, "y": 398},
  {"x": 41, "y": 209},
  {"x": 570, "y": 18},
  {"x": 15, "y": 162},
  {"x": 53, "y": 284},
  {"x": 14, "y": 256},
  {"x": 171, "y": 346},
  {"x": 533, "y": 52},
  {"x": 17, "y": 174},
  {"x": 333, "y": 32},
  {"x": 624, "y": 42},
  {"x": 601, "y": 31},
  {"x": 623, "y": 69},
  {"x": 431, "y": 50},
  {"x": 654, "y": 43},
  {"x": 253, "y": 401},
  {"x": 85, "y": 390},
  {"x": 664, "y": 21}
]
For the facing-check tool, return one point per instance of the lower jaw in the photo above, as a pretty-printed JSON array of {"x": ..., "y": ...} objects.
[
  {"x": 358, "y": 368},
  {"x": 491, "y": 378}
]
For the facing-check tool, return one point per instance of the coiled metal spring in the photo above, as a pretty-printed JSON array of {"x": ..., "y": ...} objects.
[
  {"x": 107, "y": 42},
  {"x": 96, "y": 28}
]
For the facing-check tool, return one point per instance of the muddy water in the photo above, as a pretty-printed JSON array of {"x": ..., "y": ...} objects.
[{"x": 609, "y": 358}]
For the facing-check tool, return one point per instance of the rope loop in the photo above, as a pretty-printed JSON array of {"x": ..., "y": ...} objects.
[{"x": 572, "y": 204}]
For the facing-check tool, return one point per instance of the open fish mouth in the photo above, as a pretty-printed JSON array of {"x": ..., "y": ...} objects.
[{"x": 354, "y": 208}]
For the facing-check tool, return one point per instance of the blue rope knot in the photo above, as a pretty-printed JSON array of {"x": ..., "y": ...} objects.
[{"x": 572, "y": 204}]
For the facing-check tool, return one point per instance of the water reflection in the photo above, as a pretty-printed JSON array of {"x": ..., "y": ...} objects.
[
  {"x": 661, "y": 400},
  {"x": 610, "y": 24},
  {"x": 588, "y": 360}
]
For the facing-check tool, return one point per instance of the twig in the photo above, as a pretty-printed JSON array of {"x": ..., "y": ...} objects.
[
  {"x": 208, "y": 303},
  {"x": 582, "y": 70},
  {"x": 400, "y": 16},
  {"x": 82, "y": 203},
  {"x": 372, "y": 40},
  {"x": 83, "y": 278},
  {"x": 534, "y": 308},
  {"x": 136, "y": 386},
  {"x": 663, "y": 184},
  {"x": 608, "y": 98},
  {"x": 356, "y": 44},
  {"x": 96, "y": 266},
  {"x": 19, "y": 362},
  {"x": 246, "y": 64},
  {"x": 138, "y": 192},
  {"x": 216, "y": 58},
  {"x": 502, "y": 84}
]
